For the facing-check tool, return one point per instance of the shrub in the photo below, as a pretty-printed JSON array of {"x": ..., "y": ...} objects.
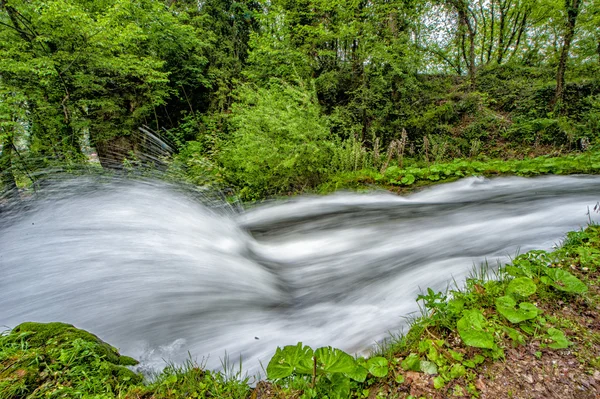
[{"x": 279, "y": 141}]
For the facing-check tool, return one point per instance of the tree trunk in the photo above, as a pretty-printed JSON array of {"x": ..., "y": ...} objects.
[
  {"x": 572, "y": 8},
  {"x": 471, "y": 56},
  {"x": 521, "y": 30},
  {"x": 7, "y": 178},
  {"x": 466, "y": 28},
  {"x": 491, "y": 46},
  {"x": 501, "y": 33}
]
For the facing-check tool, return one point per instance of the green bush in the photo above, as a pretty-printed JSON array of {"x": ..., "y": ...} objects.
[
  {"x": 279, "y": 141},
  {"x": 537, "y": 131},
  {"x": 591, "y": 117}
]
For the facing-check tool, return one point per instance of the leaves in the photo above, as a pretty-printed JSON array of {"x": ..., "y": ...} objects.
[
  {"x": 332, "y": 360},
  {"x": 513, "y": 334},
  {"x": 521, "y": 286},
  {"x": 408, "y": 179},
  {"x": 472, "y": 330},
  {"x": 334, "y": 366},
  {"x": 340, "y": 387},
  {"x": 506, "y": 307},
  {"x": 562, "y": 280},
  {"x": 412, "y": 362},
  {"x": 359, "y": 373},
  {"x": 289, "y": 359},
  {"x": 559, "y": 339},
  {"x": 279, "y": 140},
  {"x": 428, "y": 367},
  {"x": 378, "y": 366}
]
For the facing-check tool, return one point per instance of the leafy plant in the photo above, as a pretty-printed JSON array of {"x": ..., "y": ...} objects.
[
  {"x": 279, "y": 141},
  {"x": 330, "y": 369},
  {"x": 558, "y": 338},
  {"x": 506, "y": 306},
  {"x": 521, "y": 286},
  {"x": 562, "y": 280},
  {"x": 473, "y": 329}
]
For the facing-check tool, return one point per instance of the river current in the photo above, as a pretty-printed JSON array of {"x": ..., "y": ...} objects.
[{"x": 163, "y": 274}]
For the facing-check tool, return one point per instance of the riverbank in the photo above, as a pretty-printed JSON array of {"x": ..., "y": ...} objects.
[
  {"x": 405, "y": 179},
  {"x": 533, "y": 331}
]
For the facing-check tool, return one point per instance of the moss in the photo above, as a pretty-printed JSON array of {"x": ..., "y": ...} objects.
[
  {"x": 40, "y": 359},
  {"x": 127, "y": 361},
  {"x": 58, "y": 334}
]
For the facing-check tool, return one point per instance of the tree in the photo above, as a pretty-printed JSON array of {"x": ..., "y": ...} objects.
[
  {"x": 96, "y": 68},
  {"x": 572, "y": 8},
  {"x": 279, "y": 141},
  {"x": 467, "y": 30}
]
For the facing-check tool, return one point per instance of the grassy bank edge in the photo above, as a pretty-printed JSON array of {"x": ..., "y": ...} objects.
[{"x": 405, "y": 179}]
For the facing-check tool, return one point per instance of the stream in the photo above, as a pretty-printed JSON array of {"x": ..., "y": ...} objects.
[{"x": 164, "y": 274}]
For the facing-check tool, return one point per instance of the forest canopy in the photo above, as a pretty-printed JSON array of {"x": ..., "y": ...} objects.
[{"x": 273, "y": 97}]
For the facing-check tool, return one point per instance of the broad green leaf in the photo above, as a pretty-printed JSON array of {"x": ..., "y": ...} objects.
[
  {"x": 340, "y": 387},
  {"x": 378, "y": 366},
  {"x": 471, "y": 328},
  {"x": 478, "y": 359},
  {"x": 438, "y": 382},
  {"x": 428, "y": 367},
  {"x": 515, "y": 271},
  {"x": 289, "y": 359},
  {"x": 564, "y": 281},
  {"x": 457, "y": 370},
  {"x": 408, "y": 180},
  {"x": 358, "y": 374},
  {"x": 559, "y": 338},
  {"x": 332, "y": 360},
  {"x": 456, "y": 355},
  {"x": 522, "y": 286},
  {"x": 455, "y": 306},
  {"x": 279, "y": 366},
  {"x": 171, "y": 380},
  {"x": 434, "y": 355},
  {"x": 361, "y": 361},
  {"x": 506, "y": 307},
  {"x": 412, "y": 362}
]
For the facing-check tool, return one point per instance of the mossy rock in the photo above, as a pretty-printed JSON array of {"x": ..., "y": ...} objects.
[
  {"x": 42, "y": 359},
  {"x": 59, "y": 334}
]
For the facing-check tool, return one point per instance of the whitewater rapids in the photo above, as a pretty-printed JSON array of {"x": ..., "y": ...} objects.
[{"x": 162, "y": 274}]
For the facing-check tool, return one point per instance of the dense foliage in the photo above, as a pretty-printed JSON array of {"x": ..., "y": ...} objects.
[{"x": 273, "y": 97}]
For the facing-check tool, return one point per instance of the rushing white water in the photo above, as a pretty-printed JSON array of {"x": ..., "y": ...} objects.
[{"x": 158, "y": 274}]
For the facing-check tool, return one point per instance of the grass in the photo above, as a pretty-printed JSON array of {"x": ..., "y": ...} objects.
[{"x": 543, "y": 307}]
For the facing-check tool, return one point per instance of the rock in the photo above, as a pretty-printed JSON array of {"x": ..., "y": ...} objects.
[
  {"x": 480, "y": 385},
  {"x": 528, "y": 378},
  {"x": 40, "y": 357},
  {"x": 412, "y": 376}
]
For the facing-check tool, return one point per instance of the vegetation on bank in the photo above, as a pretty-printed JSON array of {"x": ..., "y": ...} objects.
[
  {"x": 532, "y": 330},
  {"x": 267, "y": 98},
  {"x": 396, "y": 178}
]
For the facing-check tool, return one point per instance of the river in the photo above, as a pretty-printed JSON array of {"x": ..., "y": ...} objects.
[{"x": 164, "y": 274}]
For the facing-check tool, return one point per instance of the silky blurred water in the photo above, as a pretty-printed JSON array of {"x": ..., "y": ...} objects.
[{"x": 162, "y": 274}]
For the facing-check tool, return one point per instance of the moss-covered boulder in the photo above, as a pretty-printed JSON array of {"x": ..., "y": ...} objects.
[{"x": 58, "y": 360}]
